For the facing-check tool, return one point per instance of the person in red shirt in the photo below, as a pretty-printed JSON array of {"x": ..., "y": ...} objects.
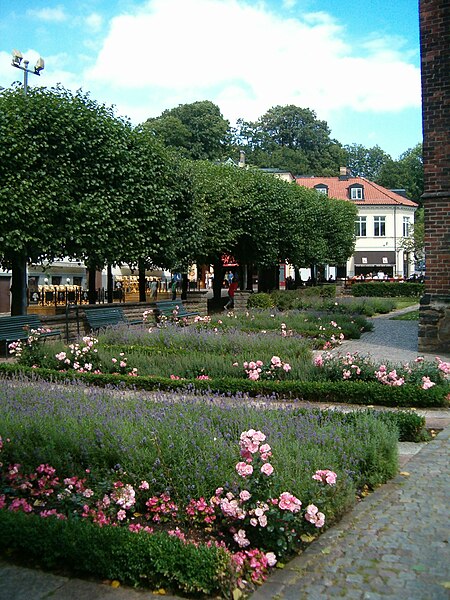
[{"x": 231, "y": 291}]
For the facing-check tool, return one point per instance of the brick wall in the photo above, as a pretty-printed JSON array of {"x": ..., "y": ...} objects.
[{"x": 435, "y": 63}]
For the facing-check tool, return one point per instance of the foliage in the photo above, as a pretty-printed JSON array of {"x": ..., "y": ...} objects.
[
  {"x": 365, "y": 162},
  {"x": 388, "y": 289},
  {"x": 405, "y": 173},
  {"x": 352, "y": 367},
  {"x": 292, "y": 138},
  {"x": 197, "y": 131},
  {"x": 414, "y": 244},
  {"x": 159, "y": 561},
  {"x": 363, "y": 393},
  {"x": 260, "y": 300}
]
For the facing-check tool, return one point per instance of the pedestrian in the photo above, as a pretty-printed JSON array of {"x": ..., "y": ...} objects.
[
  {"x": 173, "y": 288},
  {"x": 154, "y": 289},
  {"x": 231, "y": 292}
]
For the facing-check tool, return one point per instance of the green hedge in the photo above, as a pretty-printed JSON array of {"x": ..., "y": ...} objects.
[
  {"x": 157, "y": 560},
  {"x": 388, "y": 289},
  {"x": 357, "y": 392}
]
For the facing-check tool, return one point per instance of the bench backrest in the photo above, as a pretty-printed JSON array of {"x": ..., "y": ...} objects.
[
  {"x": 18, "y": 326},
  {"x": 102, "y": 317},
  {"x": 168, "y": 306}
]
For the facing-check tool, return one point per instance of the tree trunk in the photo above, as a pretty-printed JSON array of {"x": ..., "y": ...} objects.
[
  {"x": 217, "y": 282},
  {"x": 184, "y": 286},
  {"x": 19, "y": 286},
  {"x": 109, "y": 284},
  {"x": 142, "y": 282},
  {"x": 92, "y": 292},
  {"x": 267, "y": 279}
]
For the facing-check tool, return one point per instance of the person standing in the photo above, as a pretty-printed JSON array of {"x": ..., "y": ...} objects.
[{"x": 231, "y": 292}]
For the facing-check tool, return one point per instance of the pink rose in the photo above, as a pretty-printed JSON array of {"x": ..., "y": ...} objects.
[
  {"x": 267, "y": 469},
  {"x": 244, "y": 469}
]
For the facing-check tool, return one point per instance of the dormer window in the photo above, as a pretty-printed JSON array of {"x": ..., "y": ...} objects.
[
  {"x": 321, "y": 188},
  {"x": 356, "y": 191}
]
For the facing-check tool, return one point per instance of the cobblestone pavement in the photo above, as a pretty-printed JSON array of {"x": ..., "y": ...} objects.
[
  {"x": 391, "y": 340},
  {"x": 394, "y": 545}
]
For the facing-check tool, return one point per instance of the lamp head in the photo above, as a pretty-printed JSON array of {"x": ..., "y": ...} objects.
[
  {"x": 16, "y": 58},
  {"x": 39, "y": 66}
]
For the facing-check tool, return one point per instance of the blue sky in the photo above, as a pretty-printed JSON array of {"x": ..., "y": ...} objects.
[{"x": 355, "y": 63}]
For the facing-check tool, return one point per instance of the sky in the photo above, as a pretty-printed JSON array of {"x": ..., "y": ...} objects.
[{"x": 355, "y": 63}]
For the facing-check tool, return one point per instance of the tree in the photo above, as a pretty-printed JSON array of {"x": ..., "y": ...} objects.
[
  {"x": 290, "y": 137},
  {"x": 36, "y": 181},
  {"x": 198, "y": 130},
  {"x": 366, "y": 162},
  {"x": 405, "y": 173},
  {"x": 414, "y": 244}
]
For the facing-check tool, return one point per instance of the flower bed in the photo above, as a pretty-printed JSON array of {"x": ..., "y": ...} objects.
[{"x": 76, "y": 463}]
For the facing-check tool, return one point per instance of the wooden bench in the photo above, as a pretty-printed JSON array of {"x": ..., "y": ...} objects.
[
  {"x": 173, "y": 309},
  {"x": 99, "y": 318},
  {"x": 19, "y": 327}
]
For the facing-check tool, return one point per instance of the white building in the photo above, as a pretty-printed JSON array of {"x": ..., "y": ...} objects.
[{"x": 384, "y": 220}]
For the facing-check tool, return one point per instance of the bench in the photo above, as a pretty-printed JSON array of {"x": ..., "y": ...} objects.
[
  {"x": 173, "y": 309},
  {"x": 99, "y": 318},
  {"x": 18, "y": 327}
]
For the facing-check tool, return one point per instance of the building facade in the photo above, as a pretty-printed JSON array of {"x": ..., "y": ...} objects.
[{"x": 384, "y": 220}]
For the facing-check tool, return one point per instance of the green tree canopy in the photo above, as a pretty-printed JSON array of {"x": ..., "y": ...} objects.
[
  {"x": 197, "y": 131},
  {"x": 366, "y": 162},
  {"x": 292, "y": 138},
  {"x": 405, "y": 173}
]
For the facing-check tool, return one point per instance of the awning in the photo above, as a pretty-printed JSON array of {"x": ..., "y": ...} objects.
[{"x": 375, "y": 258}]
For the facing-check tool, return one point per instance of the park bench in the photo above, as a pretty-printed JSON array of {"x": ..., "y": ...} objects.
[
  {"x": 99, "y": 318},
  {"x": 19, "y": 327},
  {"x": 172, "y": 309}
]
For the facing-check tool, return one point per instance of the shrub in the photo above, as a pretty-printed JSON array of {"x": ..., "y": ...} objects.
[
  {"x": 387, "y": 289},
  {"x": 157, "y": 560},
  {"x": 260, "y": 300}
]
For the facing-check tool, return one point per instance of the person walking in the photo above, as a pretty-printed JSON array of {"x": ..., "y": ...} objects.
[{"x": 231, "y": 292}]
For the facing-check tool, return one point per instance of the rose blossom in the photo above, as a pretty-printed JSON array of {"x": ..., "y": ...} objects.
[
  {"x": 244, "y": 469},
  {"x": 267, "y": 469}
]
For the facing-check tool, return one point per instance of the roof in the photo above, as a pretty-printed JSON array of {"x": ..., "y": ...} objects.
[{"x": 373, "y": 193}]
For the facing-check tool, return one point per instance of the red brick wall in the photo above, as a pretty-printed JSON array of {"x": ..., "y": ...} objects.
[{"x": 435, "y": 53}]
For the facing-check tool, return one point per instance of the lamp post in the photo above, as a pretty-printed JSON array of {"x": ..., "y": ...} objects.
[
  {"x": 17, "y": 59},
  {"x": 19, "y": 263}
]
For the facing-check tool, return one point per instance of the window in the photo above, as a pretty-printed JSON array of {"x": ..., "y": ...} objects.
[
  {"x": 361, "y": 226},
  {"x": 321, "y": 188},
  {"x": 406, "y": 226},
  {"x": 356, "y": 192},
  {"x": 379, "y": 226}
]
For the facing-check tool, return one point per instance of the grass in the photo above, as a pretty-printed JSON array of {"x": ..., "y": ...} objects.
[{"x": 413, "y": 315}]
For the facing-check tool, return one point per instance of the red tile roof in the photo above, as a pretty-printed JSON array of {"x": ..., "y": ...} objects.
[{"x": 373, "y": 193}]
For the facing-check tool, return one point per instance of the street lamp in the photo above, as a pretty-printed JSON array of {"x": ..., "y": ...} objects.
[
  {"x": 19, "y": 282},
  {"x": 17, "y": 59}
]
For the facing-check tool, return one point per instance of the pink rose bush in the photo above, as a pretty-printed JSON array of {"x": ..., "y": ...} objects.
[
  {"x": 81, "y": 356},
  {"x": 352, "y": 367},
  {"x": 276, "y": 369},
  {"x": 254, "y": 524}
]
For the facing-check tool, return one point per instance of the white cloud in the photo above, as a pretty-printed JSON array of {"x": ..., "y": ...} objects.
[
  {"x": 246, "y": 59},
  {"x": 55, "y": 14}
]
